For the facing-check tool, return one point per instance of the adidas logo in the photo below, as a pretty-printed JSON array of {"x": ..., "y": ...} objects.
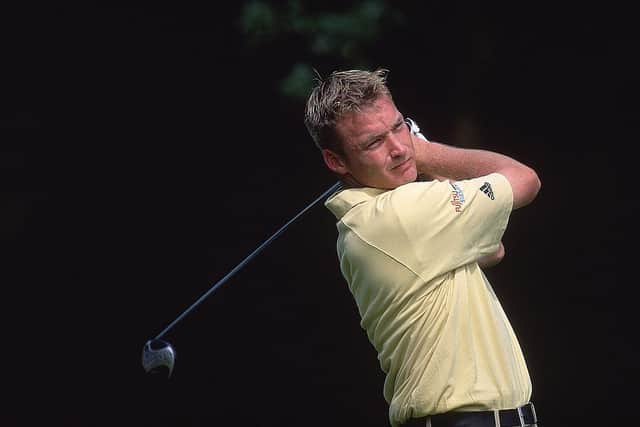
[{"x": 486, "y": 189}]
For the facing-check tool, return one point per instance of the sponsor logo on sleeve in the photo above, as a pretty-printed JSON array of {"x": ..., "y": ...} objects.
[
  {"x": 486, "y": 189},
  {"x": 457, "y": 197}
]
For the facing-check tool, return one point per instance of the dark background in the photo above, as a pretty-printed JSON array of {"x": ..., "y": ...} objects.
[{"x": 147, "y": 151}]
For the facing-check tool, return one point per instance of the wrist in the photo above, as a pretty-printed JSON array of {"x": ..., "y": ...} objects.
[{"x": 421, "y": 153}]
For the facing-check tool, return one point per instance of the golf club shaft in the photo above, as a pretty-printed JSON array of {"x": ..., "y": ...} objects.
[{"x": 252, "y": 255}]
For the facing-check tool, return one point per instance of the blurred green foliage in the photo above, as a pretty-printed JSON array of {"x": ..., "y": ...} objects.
[{"x": 315, "y": 33}]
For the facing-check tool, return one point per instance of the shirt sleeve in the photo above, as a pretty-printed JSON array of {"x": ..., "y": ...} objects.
[{"x": 434, "y": 227}]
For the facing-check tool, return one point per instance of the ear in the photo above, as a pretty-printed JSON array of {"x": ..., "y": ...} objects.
[{"x": 334, "y": 162}]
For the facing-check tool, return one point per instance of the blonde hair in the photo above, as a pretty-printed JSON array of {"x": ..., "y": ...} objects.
[{"x": 341, "y": 93}]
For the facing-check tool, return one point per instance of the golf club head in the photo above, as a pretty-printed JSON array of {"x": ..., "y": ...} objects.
[{"x": 158, "y": 357}]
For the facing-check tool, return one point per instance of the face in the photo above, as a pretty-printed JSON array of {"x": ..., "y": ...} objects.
[{"x": 378, "y": 149}]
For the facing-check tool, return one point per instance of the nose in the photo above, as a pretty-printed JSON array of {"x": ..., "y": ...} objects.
[{"x": 396, "y": 147}]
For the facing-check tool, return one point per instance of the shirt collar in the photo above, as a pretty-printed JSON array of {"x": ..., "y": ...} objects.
[{"x": 342, "y": 201}]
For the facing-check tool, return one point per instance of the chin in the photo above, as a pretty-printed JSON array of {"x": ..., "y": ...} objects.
[
  {"x": 397, "y": 181},
  {"x": 391, "y": 181},
  {"x": 410, "y": 176}
]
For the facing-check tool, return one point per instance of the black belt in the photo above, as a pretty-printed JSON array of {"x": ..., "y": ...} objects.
[{"x": 523, "y": 416}]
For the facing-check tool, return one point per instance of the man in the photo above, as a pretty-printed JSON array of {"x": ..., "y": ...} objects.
[{"x": 417, "y": 222}]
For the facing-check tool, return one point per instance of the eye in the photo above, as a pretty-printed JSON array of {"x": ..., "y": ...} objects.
[{"x": 374, "y": 143}]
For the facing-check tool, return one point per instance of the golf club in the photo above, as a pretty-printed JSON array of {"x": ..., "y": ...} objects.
[{"x": 158, "y": 356}]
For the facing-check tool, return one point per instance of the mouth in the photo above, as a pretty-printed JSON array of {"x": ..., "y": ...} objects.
[{"x": 402, "y": 164}]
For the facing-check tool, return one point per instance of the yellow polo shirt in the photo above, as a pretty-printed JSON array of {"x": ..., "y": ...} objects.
[{"x": 409, "y": 258}]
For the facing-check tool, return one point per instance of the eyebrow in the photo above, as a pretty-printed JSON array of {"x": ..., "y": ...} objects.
[{"x": 375, "y": 136}]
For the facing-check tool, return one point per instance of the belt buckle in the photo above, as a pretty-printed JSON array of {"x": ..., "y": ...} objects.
[
  {"x": 520, "y": 416},
  {"x": 533, "y": 412}
]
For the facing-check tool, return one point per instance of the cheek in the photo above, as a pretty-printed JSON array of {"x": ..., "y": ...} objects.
[
  {"x": 381, "y": 163},
  {"x": 372, "y": 160},
  {"x": 373, "y": 164}
]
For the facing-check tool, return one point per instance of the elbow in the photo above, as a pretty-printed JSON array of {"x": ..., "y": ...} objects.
[
  {"x": 528, "y": 188},
  {"x": 534, "y": 185}
]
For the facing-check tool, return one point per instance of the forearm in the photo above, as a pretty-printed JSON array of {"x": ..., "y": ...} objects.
[{"x": 435, "y": 160}]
